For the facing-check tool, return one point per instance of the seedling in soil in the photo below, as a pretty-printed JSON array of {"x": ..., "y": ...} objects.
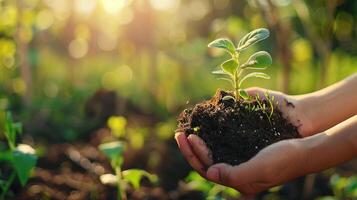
[
  {"x": 20, "y": 157},
  {"x": 236, "y": 71},
  {"x": 235, "y": 126},
  {"x": 114, "y": 152}
]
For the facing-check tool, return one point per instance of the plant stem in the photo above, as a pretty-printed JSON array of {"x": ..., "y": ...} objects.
[
  {"x": 121, "y": 192},
  {"x": 236, "y": 76},
  {"x": 236, "y": 86},
  {"x": 8, "y": 184}
]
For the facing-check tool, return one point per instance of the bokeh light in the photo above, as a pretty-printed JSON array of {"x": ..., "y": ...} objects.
[
  {"x": 78, "y": 48},
  {"x": 44, "y": 19}
]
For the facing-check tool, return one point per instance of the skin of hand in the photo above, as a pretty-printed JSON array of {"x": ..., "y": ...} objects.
[
  {"x": 268, "y": 168},
  {"x": 318, "y": 111},
  {"x": 292, "y": 108},
  {"x": 288, "y": 159},
  {"x": 277, "y": 163}
]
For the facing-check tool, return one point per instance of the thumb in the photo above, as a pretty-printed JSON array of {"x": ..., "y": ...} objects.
[
  {"x": 221, "y": 173},
  {"x": 253, "y": 91}
]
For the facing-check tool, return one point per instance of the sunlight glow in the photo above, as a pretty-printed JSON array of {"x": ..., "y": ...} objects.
[
  {"x": 113, "y": 6},
  {"x": 165, "y": 5},
  {"x": 78, "y": 48},
  {"x": 61, "y": 8},
  {"x": 107, "y": 42},
  {"x": 44, "y": 19},
  {"x": 85, "y": 7}
]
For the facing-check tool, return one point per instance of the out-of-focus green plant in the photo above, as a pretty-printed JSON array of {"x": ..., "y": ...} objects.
[
  {"x": 232, "y": 67},
  {"x": 343, "y": 188},
  {"x": 114, "y": 152},
  {"x": 20, "y": 157},
  {"x": 117, "y": 125},
  {"x": 211, "y": 190}
]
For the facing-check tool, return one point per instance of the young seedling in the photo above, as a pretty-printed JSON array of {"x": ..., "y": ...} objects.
[
  {"x": 21, "y": 157},
  {"x": 232, "y": 67},
  {"x": 114, "y": 152}
]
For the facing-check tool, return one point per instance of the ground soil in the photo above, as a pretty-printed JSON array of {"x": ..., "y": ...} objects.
[{"x": 232, "y": 130}]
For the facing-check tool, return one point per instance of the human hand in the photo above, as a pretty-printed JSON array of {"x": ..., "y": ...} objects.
[
  {"x": 272, "y": 166},
  {"x": 293, "y": 108}
]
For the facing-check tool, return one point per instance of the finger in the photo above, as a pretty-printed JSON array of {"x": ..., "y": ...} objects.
[
  {"x": 200, "y": 149},
  {"x": 221, "y": 173},
  {"x": 235, "y": 176},
  {"x": 276, "y": 97},
  {"x": 186, "y": 150},
  {"x": 254, "y": 91}
]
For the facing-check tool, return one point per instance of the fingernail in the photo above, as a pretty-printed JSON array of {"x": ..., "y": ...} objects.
[
  {"x": 213, "y": 174},
  {"x": 177, "y": 134},
  {"x": 189, "y": 138}
]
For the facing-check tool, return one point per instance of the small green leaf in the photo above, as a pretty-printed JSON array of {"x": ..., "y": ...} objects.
[
  {"x": 243, "y": 94},
  {"x": 259, "y": 60},
  {"x": 5, "y": 155},
  {"x": 112, "y": 149},
  {"x": 223, "y": 43},
  {"x": 230, "y": 66},
  {"x": 252, "y": 38},
  {"x": 24, "y": 161},
  {"x": 134, "y": 176},
  {"x": 254, "y": 74}
]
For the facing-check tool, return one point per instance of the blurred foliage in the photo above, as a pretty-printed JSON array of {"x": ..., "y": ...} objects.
[
  {"x": 16, "y": 160},
  {"x": 343, "y": 188},
  {"x": 212, "y": 191},
  {"x": 54, "y": 55}
]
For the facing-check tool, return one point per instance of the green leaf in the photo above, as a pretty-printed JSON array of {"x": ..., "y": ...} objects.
[
  {"x": 24, "y": 162},
  {"x": 196, "y": 182},
  {"x": 112, "y": 150},
  {"x": 134, "y": 176},
  {"x": 252, "y": 38},
  {"x": 254, "y": 74},
  {"x": 243, "y": 94},
  {"x": 259, "y": 60},
  {"x": 223, "y": 43},
  {"x": 6, "y": 155},
  {"x": 230, "y": 66}
]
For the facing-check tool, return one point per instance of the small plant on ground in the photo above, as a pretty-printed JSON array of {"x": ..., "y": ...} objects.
[
  {"x": 114, "y": 152},
  {"x": 232, "y": 67},
  {"x": 20, "y": 157}
]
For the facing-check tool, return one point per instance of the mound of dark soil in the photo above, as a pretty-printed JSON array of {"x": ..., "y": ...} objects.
[{"x": 233, "y": 131}]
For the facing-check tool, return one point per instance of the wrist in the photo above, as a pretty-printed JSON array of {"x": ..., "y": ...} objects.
[{"x": 312, "y": 148}]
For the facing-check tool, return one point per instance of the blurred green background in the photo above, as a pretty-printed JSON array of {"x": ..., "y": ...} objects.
[{"x": 68, "y": 65}]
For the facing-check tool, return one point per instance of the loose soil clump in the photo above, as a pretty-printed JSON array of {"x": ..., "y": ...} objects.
[{"x": 233, "y": 131}]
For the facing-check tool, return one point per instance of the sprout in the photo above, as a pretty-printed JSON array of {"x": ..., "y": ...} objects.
[{"x": 232, "y": 67}]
